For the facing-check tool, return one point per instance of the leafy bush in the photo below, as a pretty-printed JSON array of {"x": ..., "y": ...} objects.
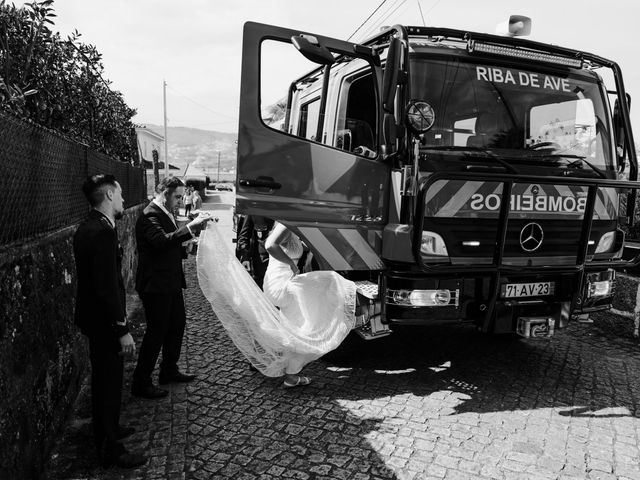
[{"x": 58, "y": 83}]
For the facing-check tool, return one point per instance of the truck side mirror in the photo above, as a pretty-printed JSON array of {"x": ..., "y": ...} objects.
[
  {"x": 620, "y": 137},
  {"x": 310, "y": 47},
  {"x": 390, "y": 78},
  {"x": 389, "y": 86}
]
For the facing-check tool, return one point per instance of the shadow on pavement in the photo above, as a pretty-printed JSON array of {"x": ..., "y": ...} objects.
[
  {"x": 575, "y": 368},
  {"x": 405, "y": 406}
]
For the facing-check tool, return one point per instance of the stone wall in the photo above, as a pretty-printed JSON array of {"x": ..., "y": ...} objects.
[
  {"x": 127, "y": 236},
  {"x": 43, "y": 357}
]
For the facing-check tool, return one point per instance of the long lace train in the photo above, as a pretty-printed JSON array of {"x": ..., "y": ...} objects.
[{"x": 274, "y": 344}]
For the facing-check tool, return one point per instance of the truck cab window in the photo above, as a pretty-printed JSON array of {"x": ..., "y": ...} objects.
[
  {"x": 462, "y": 131},
  {"x": 291, "y": 89},
  {"x": 355, "y": 127},
  {"x": 571, "y": 125},
  {"x": 511, "y": 109},
  {"x": 281, "y": 63},
  {"x": 308, "y": 121}
]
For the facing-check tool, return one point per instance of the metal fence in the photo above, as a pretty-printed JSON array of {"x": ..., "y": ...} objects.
[{"x": 41, "y": 176}]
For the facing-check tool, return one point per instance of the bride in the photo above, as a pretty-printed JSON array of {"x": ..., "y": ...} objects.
[
  {"x": 315, "y": 311},
  {"x": 319, "y": 306}
]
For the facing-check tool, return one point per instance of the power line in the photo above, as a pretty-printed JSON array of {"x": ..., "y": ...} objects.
[
  {"x": 377, "y": 8},
  {"x": 373, "y": 29},
  {"x": 434, "y": 5},
  {"x": 387, "y": 14},
  {"x": 391, "y": 10},
  {"x": 92, "y": 66},
  {"x": 382, "y": 19},
  {"x": 421, "y": 15},
  {"x": 198, "y": 103}
]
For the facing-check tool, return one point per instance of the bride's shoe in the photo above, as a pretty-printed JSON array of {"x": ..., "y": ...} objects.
[{"x": 296, "y": 381}]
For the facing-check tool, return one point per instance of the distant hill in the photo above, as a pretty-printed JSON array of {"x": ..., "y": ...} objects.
[{"x": 199, "y": 147}]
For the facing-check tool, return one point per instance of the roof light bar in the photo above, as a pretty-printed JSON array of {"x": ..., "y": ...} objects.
[{"x": 474, "y": 46}]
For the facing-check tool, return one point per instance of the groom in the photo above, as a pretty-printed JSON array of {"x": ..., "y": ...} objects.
[{"x": 159, "y": 282}]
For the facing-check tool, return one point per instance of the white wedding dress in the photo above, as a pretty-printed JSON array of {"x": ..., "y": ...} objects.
[{"x": 316, "y": 309}]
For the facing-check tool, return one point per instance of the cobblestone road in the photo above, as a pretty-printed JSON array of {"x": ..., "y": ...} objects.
[{"x": 427, "y": 404}]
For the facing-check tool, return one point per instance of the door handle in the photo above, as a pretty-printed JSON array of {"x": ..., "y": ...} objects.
[{"x": 260, "y": 183}]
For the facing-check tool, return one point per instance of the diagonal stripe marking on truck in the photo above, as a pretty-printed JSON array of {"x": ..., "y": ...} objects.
[
  {"x": 363, "y": 249},
  {"x": 600, "y": 210},
  {"x": 325, "y": 248},
  {"x": 458, "y": 200},
  {"x": 434, "y": 189},
  {"x": 611, "y": 201},
  {"x": 346, "y": 249}
]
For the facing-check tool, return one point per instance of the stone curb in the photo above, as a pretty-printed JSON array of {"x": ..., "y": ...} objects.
[{"x": 626, "y": 301}]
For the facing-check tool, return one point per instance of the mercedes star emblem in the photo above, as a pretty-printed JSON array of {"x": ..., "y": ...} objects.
[{"x": 531, "y": 237}]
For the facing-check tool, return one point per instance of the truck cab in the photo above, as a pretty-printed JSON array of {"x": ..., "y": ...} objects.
[{"x": 470, "y": 177}]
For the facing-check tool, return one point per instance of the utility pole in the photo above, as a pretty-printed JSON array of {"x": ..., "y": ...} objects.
[
  {"x": 166, "y": 140},
  {"x": 218, "y": 181}
]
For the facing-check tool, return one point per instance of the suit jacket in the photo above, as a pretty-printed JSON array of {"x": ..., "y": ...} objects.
[
  {"x": 101, "y": 297},
  {"x": 251, "y": 237},
  {"x": 160, "y": 252}
]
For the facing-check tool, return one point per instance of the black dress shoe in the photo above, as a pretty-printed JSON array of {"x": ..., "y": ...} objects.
[
  {"x": 125, "y": 460},
  {"x": 177, "y": 377},
  {"x": 124, "y": 432},
  {"x": 148, "y": 391}
]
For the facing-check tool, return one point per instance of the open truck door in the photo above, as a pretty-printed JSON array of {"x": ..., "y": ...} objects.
[{"x": 309, "y": 143}]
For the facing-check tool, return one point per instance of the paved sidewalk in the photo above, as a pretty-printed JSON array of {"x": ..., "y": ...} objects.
[{"x": 429, "y": 404}]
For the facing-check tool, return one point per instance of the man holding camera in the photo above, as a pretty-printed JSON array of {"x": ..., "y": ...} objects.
[{"x": 159, "y": 282}]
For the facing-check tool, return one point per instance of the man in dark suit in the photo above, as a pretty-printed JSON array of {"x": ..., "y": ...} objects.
[
  {"x": 101, "y": 315},
  {"x": 159, "y": 282},
  {"x": 250, "y": 245}
]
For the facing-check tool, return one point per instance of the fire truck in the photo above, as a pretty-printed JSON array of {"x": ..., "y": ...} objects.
[{"x": 465, "y": 177}]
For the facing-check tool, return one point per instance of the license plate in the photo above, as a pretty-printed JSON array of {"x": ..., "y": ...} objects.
[{"x": 536, "y": 289}]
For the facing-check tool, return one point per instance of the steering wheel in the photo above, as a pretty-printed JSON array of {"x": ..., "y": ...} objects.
[{"x": 544, "y": 146}]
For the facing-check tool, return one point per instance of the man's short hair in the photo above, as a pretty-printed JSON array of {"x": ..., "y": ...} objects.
[
  {"x": 96, "y": 186},
  {"x": 169, "y": 184}
]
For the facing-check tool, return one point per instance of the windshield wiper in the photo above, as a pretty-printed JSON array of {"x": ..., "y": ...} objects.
[
  {"x": 470, "y": 151},
  {"x": 576, "y": 161}
]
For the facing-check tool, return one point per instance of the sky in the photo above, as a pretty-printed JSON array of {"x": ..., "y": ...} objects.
[{"x": 195, "y": 45}]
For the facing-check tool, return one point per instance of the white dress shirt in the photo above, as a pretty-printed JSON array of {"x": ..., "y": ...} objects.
[{"x": 173, "y": 219}]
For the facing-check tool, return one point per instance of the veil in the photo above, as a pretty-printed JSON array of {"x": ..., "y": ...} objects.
[{"x": 258, "y": 329}]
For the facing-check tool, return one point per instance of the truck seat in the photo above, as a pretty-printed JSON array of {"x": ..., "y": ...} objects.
[
  {"x": 486, "y": 129},
  {"x": 361, "y": 133}
]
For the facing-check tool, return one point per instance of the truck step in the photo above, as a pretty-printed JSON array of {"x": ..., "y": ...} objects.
[
  {"x": 370, "y": 328},
  {"x": 367, "y": 288}
]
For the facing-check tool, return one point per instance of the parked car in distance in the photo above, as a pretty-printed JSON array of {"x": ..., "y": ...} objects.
[{"x": 226, "y": 187}]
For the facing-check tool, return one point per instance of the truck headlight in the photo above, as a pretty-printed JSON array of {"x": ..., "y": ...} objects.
[
  {"x": 606, "y": 242},
  {"x": 424, "y": 298},
  {"x": 600, "y": 289},
  {"x": 432, "y": 244}
]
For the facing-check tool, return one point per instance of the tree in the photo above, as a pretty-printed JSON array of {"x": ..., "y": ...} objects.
[
  {"x": 156, "y": 173},
  {"x": 275, "y": 113},
  {"x": 58, "y": 83}
]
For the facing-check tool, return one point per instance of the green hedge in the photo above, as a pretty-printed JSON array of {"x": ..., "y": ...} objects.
[{"x": 58, "y": 83}]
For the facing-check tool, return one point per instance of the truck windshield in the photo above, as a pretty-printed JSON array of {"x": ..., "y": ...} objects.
[{"x": 519, "y": 114}]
